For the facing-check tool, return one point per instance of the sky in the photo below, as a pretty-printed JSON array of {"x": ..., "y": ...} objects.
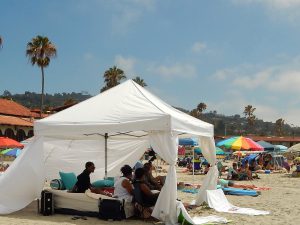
[{"x": 225, "y": 53}]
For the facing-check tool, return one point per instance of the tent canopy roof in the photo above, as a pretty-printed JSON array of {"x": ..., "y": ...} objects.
[{"x": 125, "y": 108}]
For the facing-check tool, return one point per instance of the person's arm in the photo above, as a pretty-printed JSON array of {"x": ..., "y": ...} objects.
[
  {"x": 128, "y": 186},
  {"x": 146, "y": 190}
]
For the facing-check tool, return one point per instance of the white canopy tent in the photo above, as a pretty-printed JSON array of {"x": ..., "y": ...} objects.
[{"x": 111, "y": 129}]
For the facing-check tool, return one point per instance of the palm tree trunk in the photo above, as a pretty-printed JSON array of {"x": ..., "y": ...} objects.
[{"x": 42, "y": 95}]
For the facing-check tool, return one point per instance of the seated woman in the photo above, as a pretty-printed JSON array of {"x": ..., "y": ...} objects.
[
  {"x": 142, "y": 193},
  {"x": 123, "y": 186},
  {"x": 154, "y": 183}
]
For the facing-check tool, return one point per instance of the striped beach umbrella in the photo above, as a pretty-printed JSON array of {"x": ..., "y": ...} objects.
[{"x": 240, "y": 143}]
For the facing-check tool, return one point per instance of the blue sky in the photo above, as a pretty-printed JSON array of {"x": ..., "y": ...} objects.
[{"x": 226, "y": 53}]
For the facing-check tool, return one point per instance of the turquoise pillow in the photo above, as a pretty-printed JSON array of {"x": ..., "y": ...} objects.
[
  {"x": 103, "y": 183},
  {"x": 69, "y": 179}
]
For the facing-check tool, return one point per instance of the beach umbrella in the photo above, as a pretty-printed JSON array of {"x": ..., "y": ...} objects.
[
  {"x": 280, "y": 148},
  {"x": 266, "y": 145},
  {"x": 5, "y": 151},
  {"x": 219, "y": 151},
  {"x": 6, "y": 142},
  {"x": 294, "y": 149},
  {"x": 188, "y": 141},
  {"x": 239, "y": 153},
  {"x": 240, "y": 143},
  {"x": 13, "y": 152}
]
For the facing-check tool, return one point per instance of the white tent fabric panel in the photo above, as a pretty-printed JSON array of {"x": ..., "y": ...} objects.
[
  {"x": 71, "y": 155},
  {"x": 23, "y": 181},
  {"x": 166, "y": 145},
  {"x": 210, "y": 180}
]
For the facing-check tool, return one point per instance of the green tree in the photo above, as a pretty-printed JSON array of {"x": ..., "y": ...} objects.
[
  {"x": 195, "y": 113},
  {"x": 279, "y": 127},
  {"x": 201, "y": 107},
  {"x": 40, "y": 51},
  {"x": 248, "y": 112},
  {"x": 140, "y": 81},
  {"x": 112, "y": 77}
]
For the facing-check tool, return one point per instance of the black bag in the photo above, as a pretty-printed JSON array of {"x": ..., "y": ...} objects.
[
  {"x": 110, "y": 209},
  {"x": 47, "y": 206}
]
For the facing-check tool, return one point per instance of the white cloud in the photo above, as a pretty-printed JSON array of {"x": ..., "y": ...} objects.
[
  {"x": 88, "y": 56},
  {"x": 283, "y": 9},
  {"x": 272, "y": 89},
  {"x": 176, "y": 70},
  {"x": 284, "y": 78},
  {"x": 198, "y": 47},
  {"x": 287, "y": 81},
  {"x": 126, "y": 64},
  {"x": 128, "y": 13}
]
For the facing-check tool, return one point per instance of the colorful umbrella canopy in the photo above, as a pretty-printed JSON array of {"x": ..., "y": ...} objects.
[
  {"x": 12, "y": 152},
  {"x": 240, "y": 143},
  {"x": 6, "y": 142}
]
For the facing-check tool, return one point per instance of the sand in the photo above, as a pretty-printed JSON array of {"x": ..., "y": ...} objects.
[{"x": 282, "y": 201}]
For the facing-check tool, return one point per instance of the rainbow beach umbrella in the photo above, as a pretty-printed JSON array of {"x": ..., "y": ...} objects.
[{"x": 240, "y": 143}]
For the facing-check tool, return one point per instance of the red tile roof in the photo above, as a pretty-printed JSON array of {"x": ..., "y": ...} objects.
[
  {"x": 11, "y": 108},
  {"x": 11, "y": 120}
]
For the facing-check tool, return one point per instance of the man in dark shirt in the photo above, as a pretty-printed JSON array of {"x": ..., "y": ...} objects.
[{"x": 83, "y": 180}]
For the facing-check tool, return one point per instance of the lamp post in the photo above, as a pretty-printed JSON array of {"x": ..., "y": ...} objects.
[{"x": 293, "y": 131}]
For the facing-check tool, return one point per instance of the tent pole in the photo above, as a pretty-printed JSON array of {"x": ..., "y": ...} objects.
[{"x": 106, "y": 137}]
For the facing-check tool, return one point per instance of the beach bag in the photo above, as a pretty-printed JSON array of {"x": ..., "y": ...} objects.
[
  {"x": 57, "y": 184},
  {"x": 111, "y": 209},
  {"x": 46, "y": 205}
]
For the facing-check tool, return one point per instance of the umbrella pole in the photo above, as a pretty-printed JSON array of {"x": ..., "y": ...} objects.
[
  {"x": 106, "y": 137},
  {"x": 193, "y": 167}
]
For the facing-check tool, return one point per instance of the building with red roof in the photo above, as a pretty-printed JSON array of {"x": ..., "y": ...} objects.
[{"x": 16, "y": 121}]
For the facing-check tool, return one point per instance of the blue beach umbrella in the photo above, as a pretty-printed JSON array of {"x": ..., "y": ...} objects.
[{"x": 188, "y": 141}]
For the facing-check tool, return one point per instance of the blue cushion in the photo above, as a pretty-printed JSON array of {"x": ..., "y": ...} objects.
[
  {"x": 103, "y": 183},
  {"x": 69, "y": 179}
]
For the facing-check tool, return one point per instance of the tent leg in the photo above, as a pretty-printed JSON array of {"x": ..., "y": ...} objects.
[{"x": 106, "y": 137}]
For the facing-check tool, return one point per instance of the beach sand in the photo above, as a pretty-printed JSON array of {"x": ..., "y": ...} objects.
[{"x": 282, "y": 201}]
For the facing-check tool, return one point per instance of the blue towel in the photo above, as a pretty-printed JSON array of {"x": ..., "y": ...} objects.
[{"x": 237, "y": 191}]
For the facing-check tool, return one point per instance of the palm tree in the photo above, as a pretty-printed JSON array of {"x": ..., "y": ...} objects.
[
  {"x": 40, "y": 50},
  {"x": 248, "y": 112},
  {"x": 279, "y": 127},
  {"x": 1, "y": 42},
  {"x": 112, "y": 77},
  {"x": 140, "y": 81},
  {"x": 201, "y": 107}
]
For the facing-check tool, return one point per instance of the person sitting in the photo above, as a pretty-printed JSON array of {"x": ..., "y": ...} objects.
[
  {"x": 142, "y": 193},
  {"x": 123, "y": 186},
  {"x": 206, "y": 169},
  {"x": 233, "y": 172},
  {"x": 84, "y": 183},
  {"x": 154, "y": 183},
  {"x": 245, "y": 173}
]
